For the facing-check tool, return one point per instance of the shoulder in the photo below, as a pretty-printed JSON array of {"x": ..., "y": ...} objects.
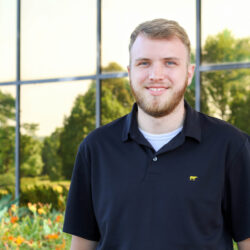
[
  {"x": 222, "y": 133},
  {"x": 110, "y": 131},
  {"x": 220, "y": 127}
]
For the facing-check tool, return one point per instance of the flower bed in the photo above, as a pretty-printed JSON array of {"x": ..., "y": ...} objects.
[{"x": 32, "y": 227}]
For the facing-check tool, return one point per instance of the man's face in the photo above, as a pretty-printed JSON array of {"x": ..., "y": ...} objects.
[{"x": 159, "y": 73}]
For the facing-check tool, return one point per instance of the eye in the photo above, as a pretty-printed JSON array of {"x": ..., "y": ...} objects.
[
  {"x": 170, "y": 63},
  {"x": 143, "y": 63}
]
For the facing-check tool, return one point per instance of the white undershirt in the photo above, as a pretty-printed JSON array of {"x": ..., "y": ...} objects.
[{"x": 159, "y": 140}]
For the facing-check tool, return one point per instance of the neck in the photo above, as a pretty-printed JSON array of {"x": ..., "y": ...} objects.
[{"x": 163, "y": 124}]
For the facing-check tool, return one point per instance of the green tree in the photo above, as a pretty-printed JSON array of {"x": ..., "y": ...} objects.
[
  {"x": 30, "y": 147},
  {"x": 51, "y": 160},
  {"x": 30, "y": 152},
  {"x": 7, "y": 132},
  {"x": 224, "y": 93},
  {"x": 240, "y": 112},
  {"x": 7, "y": 147},
  {"x": 7, "y": 108},
  {"x": 116, "y": 100}
]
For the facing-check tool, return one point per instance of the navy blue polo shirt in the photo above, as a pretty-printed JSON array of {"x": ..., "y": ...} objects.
[{"x": 192, "y": 194}]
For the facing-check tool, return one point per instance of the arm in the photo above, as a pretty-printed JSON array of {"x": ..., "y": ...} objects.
[
  {"x": 244, "y": 245},
  {"x": 79, "y": 243}
]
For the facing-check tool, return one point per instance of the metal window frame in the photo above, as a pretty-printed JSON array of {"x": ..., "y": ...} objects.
[{"x": 99, "y": 76}]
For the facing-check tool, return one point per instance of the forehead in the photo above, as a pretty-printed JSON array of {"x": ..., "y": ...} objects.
[{"x": 151, "y": 48}]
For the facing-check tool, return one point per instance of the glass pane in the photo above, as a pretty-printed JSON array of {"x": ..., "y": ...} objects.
[
  {"x": 225, "y": 37},
  {"x": 120, "y": 18},
  {"x": 7, "y": 139},
  {"x": 58, "y": 38},
  {"x": 116, "y": 99},
  {"x": 8, "y": 40},
  {"x": 55, "y": 118},
  {"x": 226, "y": 95}
]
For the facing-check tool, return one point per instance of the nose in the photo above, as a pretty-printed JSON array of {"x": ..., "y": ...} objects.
[{"x": 156, "y": 73}]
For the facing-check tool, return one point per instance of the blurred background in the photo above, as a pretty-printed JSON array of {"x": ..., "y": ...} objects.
[{"x": 63, "y": 73}]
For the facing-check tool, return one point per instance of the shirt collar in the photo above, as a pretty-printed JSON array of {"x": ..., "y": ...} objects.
[
  {"x": 191, "y": 127},
  {"x": 130, "y": 123}
]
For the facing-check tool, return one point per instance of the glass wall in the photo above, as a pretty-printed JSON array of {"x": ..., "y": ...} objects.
[
  {"x": 59, "y": 48},
  {"x": 55, "y": 118},
  {"x": 226, "y": 95},
  {"x": 58, "y": 38},
  {"x": 225, "y": 37},
  {"x": 119, "y": 18},
  {"x": 7, "y": 40}
]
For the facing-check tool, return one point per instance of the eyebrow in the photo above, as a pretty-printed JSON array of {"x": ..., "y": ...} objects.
[
  {"x": 165, "y": 59},
  {"x": 142, "y": 59},
  {"x": 171, "y": 58}
]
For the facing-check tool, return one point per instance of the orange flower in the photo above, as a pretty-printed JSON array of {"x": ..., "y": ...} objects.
[
  {"x": 11, "y": 238},
  {"x": 13, "y": 219},
  {"x": 19, "y": 240},
  {"x": 58, "y": 218},
  {"x": 41, "y": 211},
  {"x": 52, "y": 236}
]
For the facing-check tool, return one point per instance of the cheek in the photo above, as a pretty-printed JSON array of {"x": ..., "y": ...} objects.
[
  {"x": 179, "y": 76},
  {"x": 139, "y": 77}
]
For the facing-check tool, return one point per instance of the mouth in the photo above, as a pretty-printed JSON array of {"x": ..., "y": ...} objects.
[{"x": 157, "y": 90}]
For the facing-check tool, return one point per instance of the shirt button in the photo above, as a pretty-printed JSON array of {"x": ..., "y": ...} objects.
[{"x": 155, "y": 158}]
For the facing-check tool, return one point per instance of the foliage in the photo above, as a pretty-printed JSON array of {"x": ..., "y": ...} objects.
[
  {"x": 225, "y": 94},
  {"x": 7, "y": 132},
  {"x": 51, "y": 160},
  {"x": 45, "y": 192},
  {"x": 37, "y": 228},
  {"x": 5, "y": 204},
  {"x": 31, "y": 159},
  {"x": 7, "y": 108},
  {"x": 116, "y": 100},
  {"x": 223, "y": 47},
  {"x": 7, "y": 147},
  {"x": 7, "y": 181},
  {"x": 40, "y": 189},
  {"x": 240, "y": 112}
]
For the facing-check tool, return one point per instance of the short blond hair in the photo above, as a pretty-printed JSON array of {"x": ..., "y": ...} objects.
[{"x": 161, "y": 29}]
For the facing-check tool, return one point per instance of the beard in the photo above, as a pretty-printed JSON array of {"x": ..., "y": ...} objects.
[{"x": 155, "y": 108}]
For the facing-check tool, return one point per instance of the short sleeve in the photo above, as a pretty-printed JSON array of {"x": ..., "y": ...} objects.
[
  {"x": 79, "y": 216},
  {"x": 238, "y": 194}
]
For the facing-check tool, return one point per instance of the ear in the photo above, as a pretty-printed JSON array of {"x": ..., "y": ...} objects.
[
  {"x": 190, "y": 73},
  {"x": 128, "y": 68}
]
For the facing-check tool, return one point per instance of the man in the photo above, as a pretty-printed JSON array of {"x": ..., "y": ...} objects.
[{"x": 164, "y": 176}]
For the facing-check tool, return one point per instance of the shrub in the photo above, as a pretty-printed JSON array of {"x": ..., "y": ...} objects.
[{"x": 47, "y": 192}]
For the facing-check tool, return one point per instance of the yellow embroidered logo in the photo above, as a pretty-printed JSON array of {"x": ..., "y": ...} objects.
[{"x": 193, "y": 178}]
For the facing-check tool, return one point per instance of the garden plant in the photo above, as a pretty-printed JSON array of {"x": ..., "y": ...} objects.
[{"x": 35, "y": 226}]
